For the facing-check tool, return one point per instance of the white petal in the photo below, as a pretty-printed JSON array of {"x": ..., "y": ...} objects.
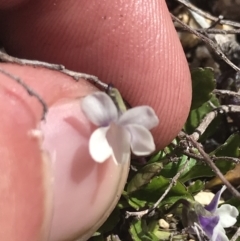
[
  {"x": 141, "y": 115},
  {"x": 119, "y": 139},
  {"x": 99, "y": 109},
  {"x": 219, "y": 234},
  {"x": 142, "y": 142},
  {"x": 227, "y": 214},
  {"x": 99, "y": 148}
]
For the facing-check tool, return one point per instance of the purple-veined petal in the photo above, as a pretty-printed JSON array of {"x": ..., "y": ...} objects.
[
  {"x": 119, "y": 140},
  {"x": 141, "y": 115},
  {"x": 208, "y": 224},
  {"x": 142, "y": 142},
  {"x": 99, "y": 148},
  {"x": 227, "y": 214},
  {"x": 219, "y": 233},
  {"x": 99, "y": 109},
  {"x": 212, "y": 206}
]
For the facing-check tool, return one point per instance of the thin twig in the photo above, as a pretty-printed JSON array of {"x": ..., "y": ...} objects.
[
  {"x": 207, "y": 15},
  {"x": 140, "y": 214},
  {"x": 218, "y": 31},
  {"x": 214, "y": 158},
  {"x": 226, "y": 92},
  {"x": 215, "y": 23},
  {"x": 227, "y": 44},
  {"x": 76, "y": 75},
  {"x": 91, "y": 78},
  {"x": 208, "y": 41},
  {"x": 10, "y": 59},
  {"x": 191, "y": 153},
  {"x": 236, "y": 235},
  {"x": 173, "y": 182},
  {"x": 30, "y": 91},
  {"x": 213, "y": 166},
  {"x": 199, "y": 232},
  {"x": 211, "y": 30},
  {"x": 210, "y": 117},
  {"x": 226, "y": 158}
]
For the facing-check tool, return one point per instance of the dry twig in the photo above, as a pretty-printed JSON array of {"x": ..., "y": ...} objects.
[
  {"x": 236, "y": 235},
  {"x": 208, "y": 41},
  {"x": 214, "y": 158},
  {"x": 211, "y": 30},
  {"x": 34, "y": 63},
  {"x": 226, "y": 158},
  {"x": 226, "y": 92},
  {"x": 207, "y": 15},
  {"x": 211, "y": 116},
  {"x": 191, "y": 153},
  {"x": 29, "y": 91},
  {"x": 140, "y": 214},
  {"x": 10, "y": 59},
  {"x": 212, "y": 165}
]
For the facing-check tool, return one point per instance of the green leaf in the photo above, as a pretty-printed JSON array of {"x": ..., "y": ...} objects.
[
  {"x": 195, "y": 117},
  {"x": 202, "y": 170},
  {"x": 97, "y": 237},
  {"x": 162, "y": 154},
  {"x": 136, "y": 203},
  {"x": 199, "y": 170},
  {"x": 111, "y": 222},
  {"x": 156, "y": 157},
  {"x": 203, "y": 83},
  {"x": 122, "y": 203},
  {"x": 172, "y": 168},
  {"x": 139, "y": 231},
  {"x": 230, "y": 147},
  {"x": 162, "y": 235},
  {"x": 196, "y": 187},
  {"x": 144, "y": 176},
  {"x": 151, "y": 192}
]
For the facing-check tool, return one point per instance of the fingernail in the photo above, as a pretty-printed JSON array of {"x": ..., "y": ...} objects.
[{"x": 84, "y": 192}]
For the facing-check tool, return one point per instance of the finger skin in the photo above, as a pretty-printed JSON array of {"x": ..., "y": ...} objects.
[
  {"x": 8, "y": 4},
  {"x": 131, "y": 44},
  {"x": 20, "y": 160},
  {"x": 50, "y": 187},
  {"x": 85, "y": 192},
  {"x": 23, "y": 200}
]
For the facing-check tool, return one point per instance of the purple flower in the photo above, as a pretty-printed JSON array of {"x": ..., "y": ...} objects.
[
  {"x": 118, "y": 133},
  {"x": 212, "y": 220}
]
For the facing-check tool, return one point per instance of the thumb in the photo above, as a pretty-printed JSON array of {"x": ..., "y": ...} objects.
[
  {"x": 48, "y": 175},
  {"x": 132, "y": 44}
]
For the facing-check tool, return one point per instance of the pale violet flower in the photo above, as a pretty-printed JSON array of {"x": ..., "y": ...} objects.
[
  {"x": 222, "y": 217},
  {"x": 118, "y": 133},
  {"x": 211, "y": 220}
]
